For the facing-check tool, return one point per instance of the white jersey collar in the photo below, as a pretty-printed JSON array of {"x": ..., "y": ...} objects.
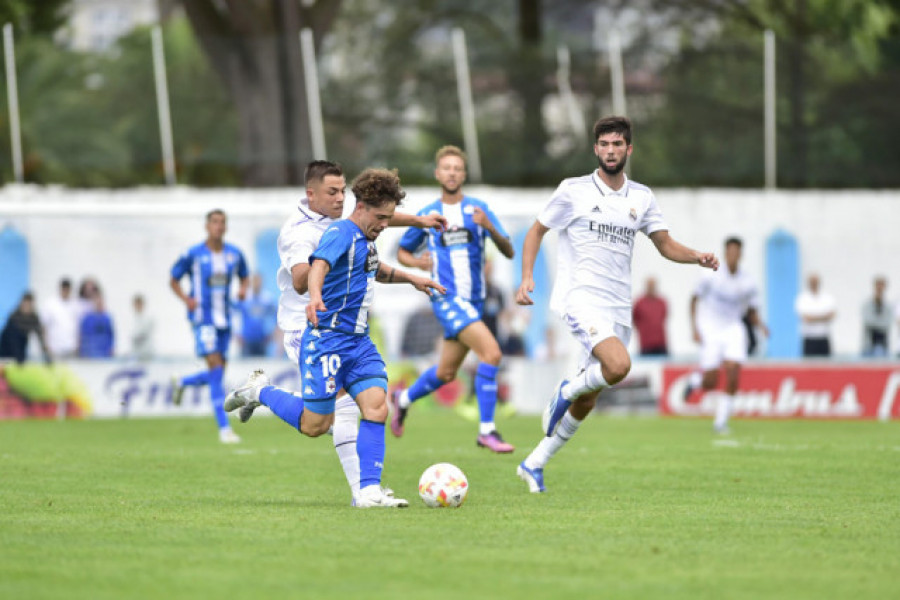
[
  {"x": 605, "y": 190},
  {"x": 303, "y": 207}
]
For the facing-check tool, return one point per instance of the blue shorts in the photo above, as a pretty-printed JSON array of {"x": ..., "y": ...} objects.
[
  {"x": 455, "y": 313},
  {"x": 331, "y": 360},
  {"x": 209, "y": 339}
]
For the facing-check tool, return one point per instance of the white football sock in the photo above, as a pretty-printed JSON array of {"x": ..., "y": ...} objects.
[
  {"x": 486, "y": 428},
  {"x": 403, "y": 399},
  {"x": 346, "y": 427},
  {"x": 723, "y": 410},
  {"x": 589, "y": 380},
  {"x": 549, "y": 446},
  {"x": 695, "y": 379}
]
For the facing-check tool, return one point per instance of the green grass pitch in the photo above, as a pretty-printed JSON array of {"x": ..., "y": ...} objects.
[{"x": 636, "y": 508}]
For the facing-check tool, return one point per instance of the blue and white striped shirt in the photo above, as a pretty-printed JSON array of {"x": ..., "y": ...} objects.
[
  {"x": 457, "y": 253},
  {"x": 349, "y": 286},
  {"x": 210, "y": 274}
]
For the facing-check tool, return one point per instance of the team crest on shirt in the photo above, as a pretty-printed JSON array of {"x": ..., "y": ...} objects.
[
  {"x": 633, "y": 214},
  {"x": 469, "y": 210},
  {"x": 330, "y": 386}
]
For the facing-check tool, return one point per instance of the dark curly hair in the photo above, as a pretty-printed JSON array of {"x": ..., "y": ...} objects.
[
  {"x": 378, "y": 186},
  {"x": 613, "y": 124}
]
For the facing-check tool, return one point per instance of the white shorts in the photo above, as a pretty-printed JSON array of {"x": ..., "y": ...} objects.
[
  {"x": 592, "y": 326},
  {"x": 291, "y": 343},
  {"x": 721, "y": 343}
]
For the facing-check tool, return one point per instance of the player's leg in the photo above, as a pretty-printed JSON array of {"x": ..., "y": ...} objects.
[
  {"x": 479, "y": 338},
  {"x": 452, "y": 355},
  {"x": 366, "y": 381},
  {"x": 734, "y": 352},
  {"x": 205, "y": 343},
  {"x": 346, "y": 432}
]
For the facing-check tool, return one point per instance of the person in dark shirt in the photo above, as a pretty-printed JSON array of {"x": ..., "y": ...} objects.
[{"x": 21, "y": 324}]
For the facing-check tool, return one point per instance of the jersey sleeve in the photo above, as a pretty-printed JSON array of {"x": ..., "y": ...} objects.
[
  {"x": 753, "y": 297},
  {"x": 412, "y": 239},
  {"x": 182, "y": 265},
  {"x": 333, "y": 245},
  {"x": 295, "y": 247},
  {"x": 494, "y": 221},
  {"x": 653, "y": 218},
  {"x": 242, "y": 271},
  {"x": 559, "y": 211}
]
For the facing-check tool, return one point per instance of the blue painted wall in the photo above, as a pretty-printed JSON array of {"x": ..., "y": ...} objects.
[
  {"x": 14, "y": 271},
  {"x": 782, "y": 287}
]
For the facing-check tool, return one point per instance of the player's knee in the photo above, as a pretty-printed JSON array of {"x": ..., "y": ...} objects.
[
  {"x": 445, "y": 374},
  {"x": 616, "y": 369},
  {"x": 492, "y": 356},
  {"x": 377, "y": 414},
  {"x": 314, "y": 429}
]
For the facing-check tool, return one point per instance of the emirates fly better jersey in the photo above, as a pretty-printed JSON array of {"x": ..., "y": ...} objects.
[
  {"x": 349, "y": 286},
  {"x": 210, "y": 274},
  {"x": 457, "y": 253},
  {"x": 597, "y": 227}
]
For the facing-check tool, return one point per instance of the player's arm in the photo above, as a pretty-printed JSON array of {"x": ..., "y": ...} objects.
[
  {"x": 695, "y": 299},
  {"x": 190, "y": 302},
  {"x": 299, "y": 277},
  {"x": 504, "y": 245},
  {"x": 756, "y": 321},
  {"x": 388, "y": 274},
  {"x": 408, "y": 259},
  {"x": 435, "y": 221},
  {"x": 680, "y": 253},
  {"x": 242, "y": 289},
  {"x": 317, "y": 272},
  {"x": 530, "y": 248}
]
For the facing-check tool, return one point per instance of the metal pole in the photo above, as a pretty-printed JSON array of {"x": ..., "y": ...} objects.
[
  {"x": 313, "y": 99},
  {"x": 466, "y": 104},
  {"x": 616, "y": 73},
  {"x": 162, "y": 105},
  {"x": 769, "y": 93},
  {"x": 563, "y": 72},
  {"x": 12, "y": 93}
]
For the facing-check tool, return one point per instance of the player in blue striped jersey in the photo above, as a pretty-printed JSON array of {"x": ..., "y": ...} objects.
[
  {"x": 336, "y": 351},
  {"x": 210, "y": 266},
  {"x": 455, "y": 258}
]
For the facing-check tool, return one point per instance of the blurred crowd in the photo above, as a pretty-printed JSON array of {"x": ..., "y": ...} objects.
[{"x": 77, "y": 324}]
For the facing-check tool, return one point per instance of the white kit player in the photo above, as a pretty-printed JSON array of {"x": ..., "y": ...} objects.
[
  {"x": 298, "y": 239},
  {"x": 598, "y": 217},
  {"x": 718, "y": 306}
]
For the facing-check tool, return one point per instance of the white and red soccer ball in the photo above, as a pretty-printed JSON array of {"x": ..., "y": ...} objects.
[{"x": 443, "y": 486}]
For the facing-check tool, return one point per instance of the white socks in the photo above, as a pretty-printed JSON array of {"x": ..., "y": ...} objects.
[
  {"x": 403, "y": 399},
  {"x": 723, "y": 411},
  {"x": 346, "y": 427},
  {"x": 695, "y": 380},
  {"x": 486, "y": 428},
  {"x": 589, "y": 380},
  {"x": 549, "y": 446}
]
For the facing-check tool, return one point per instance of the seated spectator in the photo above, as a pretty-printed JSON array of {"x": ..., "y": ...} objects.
[
  {"x": 21, "y": 324},
  {"x": 97, "y": 336},
  {"x": 421, "y": 333},
  {"x": 877, "y": 318},
  {"x": 257, "y": 312}
]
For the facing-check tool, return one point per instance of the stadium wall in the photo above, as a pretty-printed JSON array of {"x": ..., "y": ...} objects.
[{"x": 128, "y": 240}]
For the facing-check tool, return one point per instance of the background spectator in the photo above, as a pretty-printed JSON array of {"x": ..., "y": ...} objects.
[
  {"x": 258, "y": 312},
  {"x": 60, "y": 318},
  {"x": 19, "y": 326},
  {"x": 421, "y": 333},
  {"x": 142, "y": 331},
  {"x": 649, "y": 314},
  {"x": 816, "y": 309},
  {"x": 97, "y": 337},
  {"x": 88, "y": 290},
  {"x": 877, "y": 318}
]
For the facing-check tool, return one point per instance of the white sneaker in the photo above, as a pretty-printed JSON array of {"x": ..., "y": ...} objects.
[
  {"x": 246, "y": 396},
  {"x": 373, "y": 496},
  {"x": 177, "y": 389},
  {"x": 227, "y": 436}
]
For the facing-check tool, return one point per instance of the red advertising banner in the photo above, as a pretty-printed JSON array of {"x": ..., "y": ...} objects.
[{"x": 801, "y": 390}]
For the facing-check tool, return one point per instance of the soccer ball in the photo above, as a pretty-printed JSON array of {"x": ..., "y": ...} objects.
[{"x": 443, "y": 485}]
